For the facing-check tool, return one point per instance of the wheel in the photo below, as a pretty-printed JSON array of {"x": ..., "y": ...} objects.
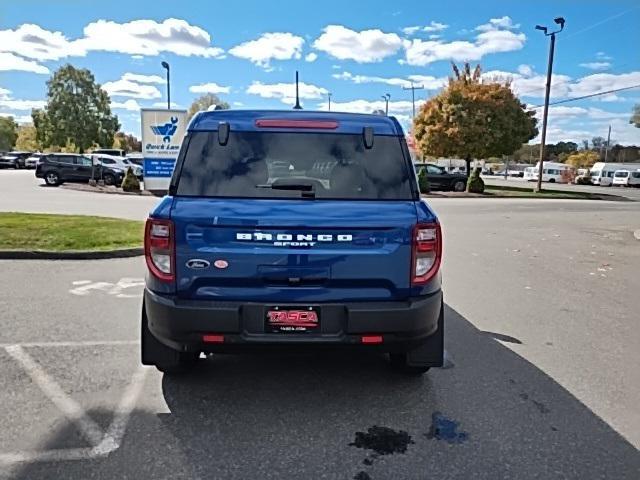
[
  {"x": 552, "y": 180},
  {"x": 165, "y": 359},
  {"x": 399, "y": 363},
  {"x": 16, "y": 165},
  {"x": 459, "y": 186},
  {"x": 109, "y": 179},
  {"x": 52, "y": 179}
]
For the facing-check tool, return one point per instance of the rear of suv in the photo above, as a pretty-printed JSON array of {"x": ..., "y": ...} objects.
[{"x": 293, "y": 230}]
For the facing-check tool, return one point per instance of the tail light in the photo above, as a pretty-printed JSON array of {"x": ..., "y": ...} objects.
[
  {"x": 427, "y": 252},
  {"x": 159, "y": 249}
]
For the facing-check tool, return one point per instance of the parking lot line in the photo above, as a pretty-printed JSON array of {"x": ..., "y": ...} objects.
[
  {"x": 69, "y": 407},
  {"x": 88, "y": 343}
]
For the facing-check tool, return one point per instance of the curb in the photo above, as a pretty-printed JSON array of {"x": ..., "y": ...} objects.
[
  {"x": 105, "y": 190},
  {"x": 70, "y": 255}
]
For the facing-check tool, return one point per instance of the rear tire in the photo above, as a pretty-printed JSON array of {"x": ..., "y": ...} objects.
[
  {"x": 459, "y": 186},
  {"x": 52, "y": 179},
  {"x": 16, "y": 165},
  {"x": 109, "y": 179},
  {"x": 165, "y": 359}
]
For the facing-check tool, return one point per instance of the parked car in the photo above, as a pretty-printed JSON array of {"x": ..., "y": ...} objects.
[
  {"x": 626, "y": 178},
  {"x": 57, "y": 168},
  {"x": 33, "y": 160},
  {"x": 440, "y": 179},
  {"x": 118, "y": 162},
  {"x": 136, "y": 158},
  {"x": 14, "y": 160},
  {"x": 116, "y": 152},
  {"x": 239, "y": 260}
]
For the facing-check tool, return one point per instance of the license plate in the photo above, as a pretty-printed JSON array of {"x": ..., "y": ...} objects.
[{"x": 292, "y": 320}]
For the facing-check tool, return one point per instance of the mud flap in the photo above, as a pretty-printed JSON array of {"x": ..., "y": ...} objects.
[{"x": 430, "y": 353}]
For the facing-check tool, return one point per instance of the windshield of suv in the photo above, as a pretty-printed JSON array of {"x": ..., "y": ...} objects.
[{"x": 294, "y": 165}]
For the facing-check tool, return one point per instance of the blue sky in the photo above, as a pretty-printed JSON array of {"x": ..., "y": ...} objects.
[{"x": 248, "y": 51}]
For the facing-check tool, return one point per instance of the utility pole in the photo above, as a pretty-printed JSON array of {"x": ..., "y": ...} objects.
[
  {"x": 165, "y": 65},
  {"x": 559, "y": 21},
  {"x": 386, "y": 98},
  {"x": 413, "y": 89},
  {"x": 329, "y": 97},
  {"x": 606, "y": 148}
]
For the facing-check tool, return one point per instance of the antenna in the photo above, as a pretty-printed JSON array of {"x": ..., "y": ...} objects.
[{"x": 297, "y": 106}]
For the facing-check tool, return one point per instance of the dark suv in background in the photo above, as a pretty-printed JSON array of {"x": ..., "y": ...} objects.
[
  {"x": 14, "y": 159},
  {"x": 56, "y": 168},
  {"x": 440, "y": 179}
]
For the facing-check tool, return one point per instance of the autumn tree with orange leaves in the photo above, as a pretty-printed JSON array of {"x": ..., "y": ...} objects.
[{"x": 473, "y": 118}]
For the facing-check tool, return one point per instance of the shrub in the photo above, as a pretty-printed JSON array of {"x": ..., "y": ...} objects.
[
  {"x": 130, "y": 183},
  {"x": 475, "y": 184},
  {"x": 423, "y": 181}
]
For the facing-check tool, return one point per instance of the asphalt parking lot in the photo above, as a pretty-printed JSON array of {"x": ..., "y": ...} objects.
[{"x": 541, "y": 378}]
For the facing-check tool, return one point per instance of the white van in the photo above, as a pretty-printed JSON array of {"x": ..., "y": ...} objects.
[
  {"x": 602, "y": 173},
  {"x": 626, "y": 178},
  {"x": 553, "y": 172}
]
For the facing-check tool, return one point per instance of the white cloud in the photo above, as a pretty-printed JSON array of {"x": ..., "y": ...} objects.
[
  {"x": 127, "y": 88},
  {"x": 286, "y": 92},
  {"x": 435, "y": 27},
  {"x": 531, "y": 86},
  {"x": 238, "y": 104},
  {"x": 596, "y": 65},
  {"x": 366, "y": 46},
  {"x": 411, "y": 30},
  {"x": 4, "y": 93},
  {"x": 434, "y": 37},
  {"x": 311, "y": 57},
  {"x": 130, "y": 104},
  {"x": 270, "y": 46},
  {"x": 12, "y": 104},
  {"x": 365, "y": 106},
  {"x": 20, "y": 119},
  {"x": 603, "y": 56},
  {"x": 148, "y": 37},
  {"x": 602, "y": 82},
  {"x": 504, "y": 23},
  {"x": 494, "y": 37},
  {"x": 429, "y": 82},
  {"x": 163, "y": 105},
  {"x": 138, "y": 37},
  {"x": 525, "y": 70},
  {"x": 9, "y": 62},
  {"x": 209, "y": 88},
  {"x": 138, "y": 78}
]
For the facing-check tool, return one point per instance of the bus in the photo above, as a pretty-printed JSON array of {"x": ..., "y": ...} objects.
[{"x": 602, "y": 173}]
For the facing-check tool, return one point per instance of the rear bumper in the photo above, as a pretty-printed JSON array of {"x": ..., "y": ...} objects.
[{"x": 180, "y": 324}]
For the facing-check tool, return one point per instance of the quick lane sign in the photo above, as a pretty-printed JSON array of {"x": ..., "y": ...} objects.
[{"x": 162, "y": 134}]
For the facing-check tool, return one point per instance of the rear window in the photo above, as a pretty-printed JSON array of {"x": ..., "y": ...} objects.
[
  {"x": 622, "y": 174},
  {"x": 294, "y": 165}
]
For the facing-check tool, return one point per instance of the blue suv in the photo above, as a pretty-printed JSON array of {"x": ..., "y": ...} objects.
[{"x": 293, "y": 229}]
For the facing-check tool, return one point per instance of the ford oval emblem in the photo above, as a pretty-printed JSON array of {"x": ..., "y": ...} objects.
[{"x": 198, "y": 263}]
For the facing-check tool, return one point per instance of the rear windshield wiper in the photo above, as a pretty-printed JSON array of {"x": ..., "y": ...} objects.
[{"x": 306, "y": 189}]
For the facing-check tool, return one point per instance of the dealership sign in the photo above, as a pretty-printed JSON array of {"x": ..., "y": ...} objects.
[{"x": 162, "y": 134}]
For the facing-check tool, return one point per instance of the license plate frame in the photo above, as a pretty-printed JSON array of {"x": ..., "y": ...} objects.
[{"x": 287, "y": 320}]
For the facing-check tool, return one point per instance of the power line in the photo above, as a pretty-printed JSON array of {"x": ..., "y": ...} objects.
[
  {"x": 589, "y": 96},
  {"x": 597, "y": 24}
]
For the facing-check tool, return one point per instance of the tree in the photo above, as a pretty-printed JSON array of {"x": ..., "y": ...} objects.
[
  {"x": 8, "y": 133},
  {"x": 598, "y": 142},
  {"x": 127, "y": 142},
  {"x": 583, "y": 159},
  {"x": 635, "y": 116},
  {"x": 27, "y": 138},
  {"x": 206, "y": 102},
  {"x": 472, "y": 119},
  {"x": 78, "y": 111}
]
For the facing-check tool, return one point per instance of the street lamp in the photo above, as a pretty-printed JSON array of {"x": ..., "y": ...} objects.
[
  {"x": 329, "y": 98},
  {"x": 559, "y": 21},
  {"x": 165, "y": 65},
  {"x": 386, "y": 98}
]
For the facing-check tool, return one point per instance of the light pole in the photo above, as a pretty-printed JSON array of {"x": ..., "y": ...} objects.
[
  {"x": 329, "y": 97},
  {"x": 560, "y": 21},
  {"x": 386, "y": 98},
  {"x": 165, "y": 65}
]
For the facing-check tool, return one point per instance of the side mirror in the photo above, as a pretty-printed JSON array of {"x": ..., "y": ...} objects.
[
  {"x": 223, "y": 133},
  {"x": 367, "y": 135}
]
